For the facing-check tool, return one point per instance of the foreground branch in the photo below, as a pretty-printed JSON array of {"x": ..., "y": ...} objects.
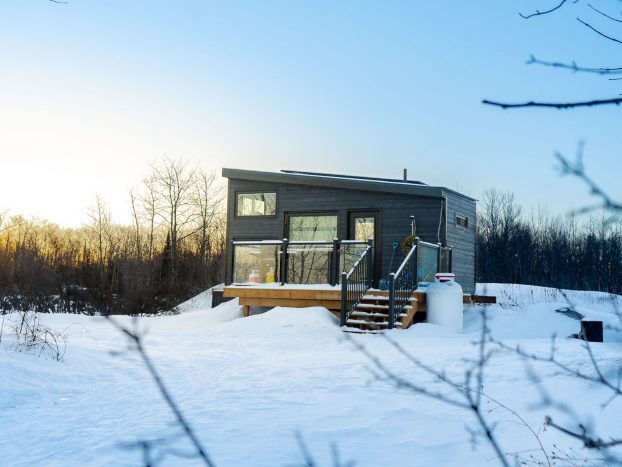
[
  {"x": 136, "y": 340},
  {"x": 598, "y": 32},
  {"x": 588, "y": 441},
  {"x": 574, "y": 67},
  {"x": 556, "y": 105},
  {"x": 544, "y": 12}
]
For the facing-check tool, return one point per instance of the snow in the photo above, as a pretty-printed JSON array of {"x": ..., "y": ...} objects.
[{"x": 247, "y": 385}]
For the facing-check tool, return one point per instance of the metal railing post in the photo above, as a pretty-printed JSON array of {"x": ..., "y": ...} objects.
[
  {"x": 230, "y": 264},
  {"x": 334, "y": 263},
  {"x": 391, "y": 300},
  {"x": 438, "y": 257},
  {"x": 370, "y": 263},
  {"x": 284, "y": 261},
  {"x": 451, "y": 258},
  {"x": 416, "y": 259},
  {"x": 344, "y": 298}
]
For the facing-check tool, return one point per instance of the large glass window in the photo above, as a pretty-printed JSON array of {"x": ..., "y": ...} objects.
[
  {"x": 256, "y": 204},
  {"x": 312, "y": 228},
  {"x": 309, "y": 264}
]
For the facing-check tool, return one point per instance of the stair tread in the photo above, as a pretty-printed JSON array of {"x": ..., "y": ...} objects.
[
  {"x": 363, "y": 331},
  {"x": 372, "y": 305},
  {"x": 383, "y": 298},
  {"x": 372, "y": 323},
  {"x": 374, "y": 315}
]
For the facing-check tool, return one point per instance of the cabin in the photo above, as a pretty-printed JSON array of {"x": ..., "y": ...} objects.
[{"x": 336, "y": 240}]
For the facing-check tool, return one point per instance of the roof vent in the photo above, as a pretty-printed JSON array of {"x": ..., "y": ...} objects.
[{"x": 405, "y": 175}]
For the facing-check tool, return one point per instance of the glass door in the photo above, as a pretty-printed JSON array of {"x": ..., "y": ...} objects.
[{"x": 363, "y": 225}]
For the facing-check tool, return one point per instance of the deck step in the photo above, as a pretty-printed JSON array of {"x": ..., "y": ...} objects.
[
  {"x": 382, "y": 298},
  {"x": 366, "y": 314},
  {"x": 371, "y": 324},
  {"x": 372, "y": 305},
  {"x": 362, "y": 331}
]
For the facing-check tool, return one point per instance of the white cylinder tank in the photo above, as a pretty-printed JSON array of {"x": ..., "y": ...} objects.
[{"x": 444, "y": 302}]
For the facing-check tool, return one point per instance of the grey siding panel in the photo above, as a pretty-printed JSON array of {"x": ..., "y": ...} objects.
[
  {"x": 462, "y": 240},
  {"x": 395, "y": 211}
]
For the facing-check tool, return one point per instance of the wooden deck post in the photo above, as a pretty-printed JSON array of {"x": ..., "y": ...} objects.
[{"x": 246, "y": 310}]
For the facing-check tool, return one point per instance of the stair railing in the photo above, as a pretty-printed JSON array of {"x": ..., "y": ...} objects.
[
  {"x": 402, "y": 283},
  {"x": 356, "y": 282}
]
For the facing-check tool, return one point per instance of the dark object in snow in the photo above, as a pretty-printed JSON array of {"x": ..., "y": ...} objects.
[
  {"x": 218, "y": 298},
  {"x": 592, "y": 331},
  {"x": 570, "y": 313}
]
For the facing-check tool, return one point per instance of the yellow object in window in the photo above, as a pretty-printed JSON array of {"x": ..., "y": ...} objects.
[{"x": 270, "y": 276}]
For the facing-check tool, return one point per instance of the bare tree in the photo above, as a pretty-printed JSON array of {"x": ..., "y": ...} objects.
[
  {"x": 99, "y": 228},
  {"x": 174, "y": 182},
  {"x": 207, "y": 199}
]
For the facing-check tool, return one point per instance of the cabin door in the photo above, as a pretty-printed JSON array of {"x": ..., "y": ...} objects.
[{"x": 363, "y": 225}]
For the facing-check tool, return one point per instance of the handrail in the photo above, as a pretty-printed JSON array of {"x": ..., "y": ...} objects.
[
  {"x": 403, "y": 283},
  {"x": 399, "y": 270},
  {"x": 356, "y": 282}
]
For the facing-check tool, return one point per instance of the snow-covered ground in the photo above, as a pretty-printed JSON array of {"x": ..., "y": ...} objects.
[{"x": 248, "y": 385}]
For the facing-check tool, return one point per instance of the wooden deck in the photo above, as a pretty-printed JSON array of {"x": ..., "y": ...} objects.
[
  {"x": 329, "y": 297},
  {"x": 288, "y": 296}
]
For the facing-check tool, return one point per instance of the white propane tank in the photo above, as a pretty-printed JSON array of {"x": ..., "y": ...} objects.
[{"x": 444, "y": 302}]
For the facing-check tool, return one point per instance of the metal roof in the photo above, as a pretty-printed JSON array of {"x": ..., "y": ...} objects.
[{"x": 350, "y": 182}]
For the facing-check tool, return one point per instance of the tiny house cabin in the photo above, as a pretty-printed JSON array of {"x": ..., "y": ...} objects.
[{"x": 293, "y": 227}]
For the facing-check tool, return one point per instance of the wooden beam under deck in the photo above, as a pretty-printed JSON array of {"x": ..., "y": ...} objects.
[
  {"x": 283, "y": 293},
  {"x": 290, "y": 302}
]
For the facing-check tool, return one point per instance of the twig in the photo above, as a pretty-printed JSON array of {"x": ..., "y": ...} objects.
[
  {"x": 598, "y": 32},
  {"x": 604, "y": 14},
  {"x": 538, "y": 12},
  {"x": 574, "y": 67},
  {"x": 558, "y": 105},
  {"x": 588, "y": 442}
]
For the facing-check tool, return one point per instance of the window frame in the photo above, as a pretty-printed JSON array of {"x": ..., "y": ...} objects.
[
  {"x": 255, "y": 216},
  {"x": 288, "y": 215},
  {"x": 461, "y": 216}
]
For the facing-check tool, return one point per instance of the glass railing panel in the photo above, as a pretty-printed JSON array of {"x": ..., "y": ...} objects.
[
  {"x": 256, "y": 263},
  {"x": 308, "y": 263},
  {"x": 427, "y": 262}
]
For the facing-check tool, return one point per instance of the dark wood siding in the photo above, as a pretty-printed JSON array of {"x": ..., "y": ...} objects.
[
  {"x": 462, "y": 240},
  {"x": 395, "y": 211}
]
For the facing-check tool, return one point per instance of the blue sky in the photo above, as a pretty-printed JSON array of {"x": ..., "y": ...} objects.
[{"x": 92, "y": 91}]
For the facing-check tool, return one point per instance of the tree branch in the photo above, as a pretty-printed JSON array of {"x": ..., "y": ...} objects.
[
  {"x": 574, "y": 67},
  {"x": 556, "y": 105},
  {"x": 135, "y": 338},
  {"x": 538, "y": 12},
  {"x": 598, "y": 32},
  {"x": 604, "y": 14},
  {"x": 588, "y": 442}
]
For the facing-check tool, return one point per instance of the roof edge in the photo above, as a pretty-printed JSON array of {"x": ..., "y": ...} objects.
[{"x": 335, "y": 182}]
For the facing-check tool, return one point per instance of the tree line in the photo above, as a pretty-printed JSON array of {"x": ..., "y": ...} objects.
[
  {"x": 553, "y": 251},
  {"x": 173, "y": 249}
]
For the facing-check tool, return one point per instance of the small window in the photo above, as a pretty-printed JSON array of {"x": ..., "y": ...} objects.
[
  {"x": 462, "y": 221},
  {"x": 256, "y": 204}
]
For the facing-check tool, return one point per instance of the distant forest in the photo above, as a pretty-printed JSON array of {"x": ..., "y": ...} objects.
[
  {"x": 571, "y": 252},
  {"x": 172, "y": 251},
  {"x": 175, "y": 248}
]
